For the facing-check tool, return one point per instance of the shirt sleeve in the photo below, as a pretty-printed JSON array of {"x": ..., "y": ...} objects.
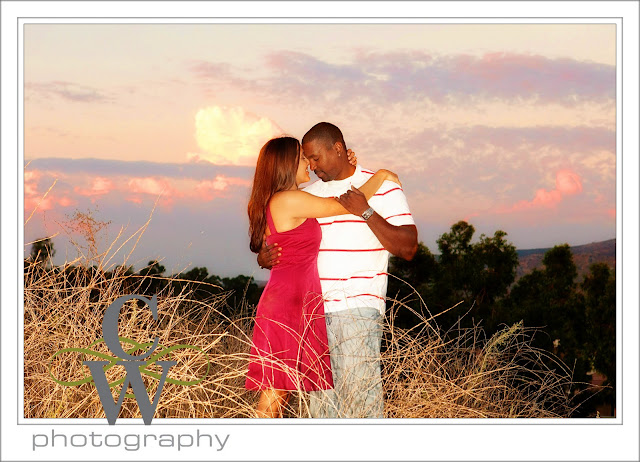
[
  {"x": 391, "y": 203},
  {"x": 314, "y": 188}
]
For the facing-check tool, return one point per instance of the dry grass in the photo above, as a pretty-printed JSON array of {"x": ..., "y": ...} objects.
[
  {"x": 59, "y": 315},
  {"x": 461, "y": 374},
  {"x": 426, "y": 373}
]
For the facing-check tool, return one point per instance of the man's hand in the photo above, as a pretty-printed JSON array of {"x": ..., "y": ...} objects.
[
  {"x": 269, "y": 254},
  {"x": 354, "y": 201},
  {"x": 401, "y": 241}
]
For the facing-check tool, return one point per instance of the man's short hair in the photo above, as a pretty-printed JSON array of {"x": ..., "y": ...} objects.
[{"x": 326, "y": 132}]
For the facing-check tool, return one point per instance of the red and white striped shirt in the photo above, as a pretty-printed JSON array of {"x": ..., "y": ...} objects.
[{"x": 352, "y": 263}]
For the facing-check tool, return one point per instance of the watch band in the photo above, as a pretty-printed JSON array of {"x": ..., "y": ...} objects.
[{"x": 367, "y": 213}]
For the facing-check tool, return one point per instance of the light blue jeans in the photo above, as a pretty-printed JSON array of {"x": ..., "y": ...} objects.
[{"x": 354, "y": 337}]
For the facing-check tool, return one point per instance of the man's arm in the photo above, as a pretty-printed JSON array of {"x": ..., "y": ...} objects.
[{"x": 401, "y": 241}]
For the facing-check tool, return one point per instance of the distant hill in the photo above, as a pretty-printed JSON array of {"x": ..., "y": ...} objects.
[{"x": 583, "y": 257}]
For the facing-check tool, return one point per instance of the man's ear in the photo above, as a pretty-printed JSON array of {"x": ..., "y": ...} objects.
[{"x": 337, "y": 146}]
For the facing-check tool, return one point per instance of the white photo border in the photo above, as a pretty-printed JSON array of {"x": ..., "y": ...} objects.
[{"x": 407, "y": 439}]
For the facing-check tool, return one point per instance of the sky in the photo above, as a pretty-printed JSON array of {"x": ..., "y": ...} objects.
[{"x": 506, "y": 126}]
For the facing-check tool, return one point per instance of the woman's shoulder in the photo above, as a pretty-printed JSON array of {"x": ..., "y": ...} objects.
[
  {"x": 284, "y": 208},
  {"x": 285, "y": 196},
  {"x": 291, "y": 203},
  {"x": 283, "y": 199}
]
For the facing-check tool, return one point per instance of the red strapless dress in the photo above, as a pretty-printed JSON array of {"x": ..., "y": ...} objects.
[{"x": 289, "y": 350}]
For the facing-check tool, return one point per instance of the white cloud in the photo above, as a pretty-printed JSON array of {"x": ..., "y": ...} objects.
[{"x": 231, "y": 136}]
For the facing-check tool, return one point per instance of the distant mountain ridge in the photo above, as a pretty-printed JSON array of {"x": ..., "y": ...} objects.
[{"x": 583, "y": 257}]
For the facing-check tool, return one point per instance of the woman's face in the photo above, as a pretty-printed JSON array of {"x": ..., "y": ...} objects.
[{"x": 302, "y": 175}]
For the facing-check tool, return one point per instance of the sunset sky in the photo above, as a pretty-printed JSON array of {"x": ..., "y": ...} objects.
[{"x": 507, "y": 126}]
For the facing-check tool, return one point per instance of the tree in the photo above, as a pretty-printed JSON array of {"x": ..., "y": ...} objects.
[
  {"x": 197, "y": 274},
  {"x": 548, "y": 299},
  {"x": 578, "y": 321},
  {"x": 243, "y": 288},
  {"x": 408, "y": 277},
  {"x": 599, "y": 289},
  {"x": 561, "y": 271},
  {"x": 455, "y": 265},
  {"x": 42, "y": 252},
  {"x": 152, "y": 282},
  {"x": 494, "y": 263},
  {"x": 153, "y": 268},
  {"x": 525, "y": 300},
  {"x": 204, "y": 286},
  {"x": 125, "y": 274},
  {"x": 478, "y": 273},
  {"x": 125, "y": 270}
]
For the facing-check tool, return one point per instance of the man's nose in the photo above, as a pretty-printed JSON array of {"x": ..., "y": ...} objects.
[{"x": 312, "y": 165}]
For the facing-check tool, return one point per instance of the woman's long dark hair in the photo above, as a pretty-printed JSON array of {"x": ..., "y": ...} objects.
[{"x": 276, "y": 170}]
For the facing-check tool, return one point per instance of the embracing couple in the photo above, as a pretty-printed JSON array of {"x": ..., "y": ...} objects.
[{"x": 318, "y": 324}]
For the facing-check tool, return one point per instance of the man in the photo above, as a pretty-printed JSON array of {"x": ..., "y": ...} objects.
[{"x": 352, "y": 264}]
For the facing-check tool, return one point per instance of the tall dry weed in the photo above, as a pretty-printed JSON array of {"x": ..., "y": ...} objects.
[{"x": 427, "y": 373}]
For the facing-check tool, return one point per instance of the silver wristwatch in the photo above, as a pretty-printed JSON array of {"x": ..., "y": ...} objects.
[{"x": 367, "y": 213}]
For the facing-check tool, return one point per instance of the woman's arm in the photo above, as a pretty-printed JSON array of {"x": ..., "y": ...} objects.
[
  {"x": 373, "y": 184},
  {"x": 300, "y": 204}
]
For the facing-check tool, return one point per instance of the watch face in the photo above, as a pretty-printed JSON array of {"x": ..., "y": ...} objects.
[{"x": 367, "y": 213}]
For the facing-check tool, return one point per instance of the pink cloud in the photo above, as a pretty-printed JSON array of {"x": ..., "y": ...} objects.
[
  {"x": 223, "y": 182},
  {"x": 159, "y": 187},
  {"x": 42, "y": 201},
  {"x": 134, "y": 199},
  {"x": 30, "y": 189},
  {"x": 567, "y": 183},
  {"x": 209, "y": 190},
  {"x": 67, "y": 202},
  {"x": 31, "y": 175},
  {"x": 400, "y": 76},
  {"x": 68, "y": 90},
  {"x": 45, "y": 204},
  {"x": 155, "y": 187},
  {"x": 31, "y": 182},
  {"x": 56, "y": 188},
  {"x": 75, "y": 188},
  {"x": 99, "y": 186},
  {"x": 149, "y": 186},
  {"x": 546, "y": 198}
]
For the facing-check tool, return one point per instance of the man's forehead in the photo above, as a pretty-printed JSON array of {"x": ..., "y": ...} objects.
[{"x": 316, "y": 146}]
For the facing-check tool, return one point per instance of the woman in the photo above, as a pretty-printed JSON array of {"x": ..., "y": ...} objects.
[{"x": 289, "y": 349}]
